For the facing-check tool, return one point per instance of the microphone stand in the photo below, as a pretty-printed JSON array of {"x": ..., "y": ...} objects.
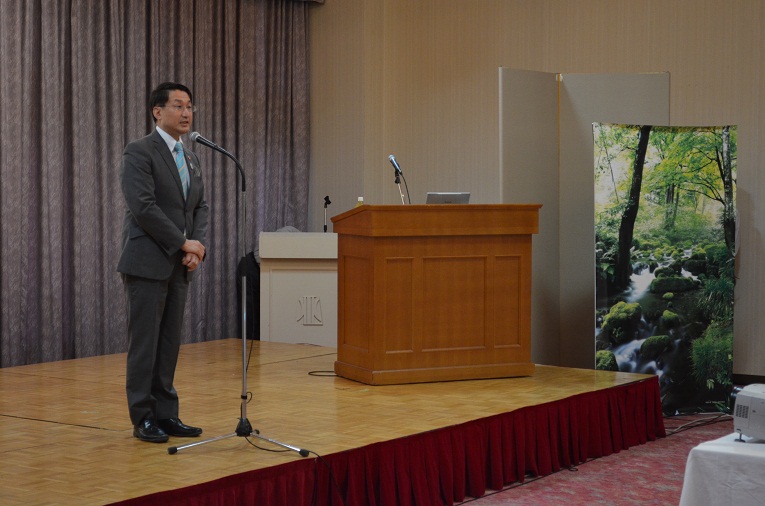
[
  {"x": 326, "y": 203},
  {"x": 399, "y": 176},
  {"x": 243, "y": 428},
  {"x": 398, "y": 182}
]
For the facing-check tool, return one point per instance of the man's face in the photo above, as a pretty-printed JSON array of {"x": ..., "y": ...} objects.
[{"x": 175, "y": 116}]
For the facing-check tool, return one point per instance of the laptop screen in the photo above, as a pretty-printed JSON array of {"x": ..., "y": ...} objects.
[{"x": 447, "y": 197}]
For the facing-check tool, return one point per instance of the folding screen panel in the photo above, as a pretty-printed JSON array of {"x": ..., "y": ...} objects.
[{"x": 549, "y": 162}]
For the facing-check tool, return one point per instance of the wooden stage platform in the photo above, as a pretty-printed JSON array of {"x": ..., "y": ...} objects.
[{"x": 65, "y": 435}]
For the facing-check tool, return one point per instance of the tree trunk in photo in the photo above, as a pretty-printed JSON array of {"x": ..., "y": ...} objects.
[
  {"x": 729, "y": 211},
  {"x": 626, "y": 228},
  {"x": 671, "y": 202}
]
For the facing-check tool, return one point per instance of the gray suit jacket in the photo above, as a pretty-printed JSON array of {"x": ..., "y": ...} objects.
[{"x": 158, "y": 220}]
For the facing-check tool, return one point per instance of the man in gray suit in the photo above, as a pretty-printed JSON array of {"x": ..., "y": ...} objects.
[{"x": 162, "y": 245}]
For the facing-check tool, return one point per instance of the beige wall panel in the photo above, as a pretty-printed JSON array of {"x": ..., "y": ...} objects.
[
  {"x": 419, "y": 79},
  {"x": 433, "y": 84},
  {"x": 338, "y": 119},
  {"x": 528, "y": 140},
  {"x": 639, "y": 99}
]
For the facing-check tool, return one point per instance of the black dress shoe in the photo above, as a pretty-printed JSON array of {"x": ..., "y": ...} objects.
[
  {"x": 148, "y": 430},
  {"x": 175, "y": 427}
]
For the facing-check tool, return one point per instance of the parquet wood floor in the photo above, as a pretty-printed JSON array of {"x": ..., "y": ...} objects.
[{"x": 65, "y": 435}]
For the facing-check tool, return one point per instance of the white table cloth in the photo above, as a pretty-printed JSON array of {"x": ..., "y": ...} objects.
[{"x": 725, "y": 471}]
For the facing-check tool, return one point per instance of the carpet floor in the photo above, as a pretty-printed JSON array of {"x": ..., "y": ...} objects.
[{"x": 649, "y": 474}]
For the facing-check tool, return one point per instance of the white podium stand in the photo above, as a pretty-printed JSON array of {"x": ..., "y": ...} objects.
[{"x": 298, "y": 288}]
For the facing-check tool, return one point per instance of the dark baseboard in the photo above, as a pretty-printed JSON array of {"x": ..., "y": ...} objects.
[{"x": 747, "y": 379}]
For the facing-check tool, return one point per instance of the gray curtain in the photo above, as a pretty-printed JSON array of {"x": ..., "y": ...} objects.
[{"x": 74, "y": 81}]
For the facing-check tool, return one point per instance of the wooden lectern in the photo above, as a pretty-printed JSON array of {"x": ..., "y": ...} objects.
[{"x": 434, "y": 292}]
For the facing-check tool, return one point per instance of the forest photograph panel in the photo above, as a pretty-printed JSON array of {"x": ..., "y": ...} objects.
[{"x": 665, "y": 232}]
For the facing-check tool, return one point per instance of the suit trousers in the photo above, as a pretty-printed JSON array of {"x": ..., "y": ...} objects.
[{"x": 155, "y": 320}]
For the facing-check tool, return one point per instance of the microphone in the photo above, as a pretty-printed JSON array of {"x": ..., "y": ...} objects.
[
  {"x": 392, "y": 160},
  {"x": 399, "y": 175},
  {"x": 196, "y": 137}
]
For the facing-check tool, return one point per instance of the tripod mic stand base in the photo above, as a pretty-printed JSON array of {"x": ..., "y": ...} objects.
[
  {"x": 243, "y": 429},
  {"x": 175, "y": 449}
]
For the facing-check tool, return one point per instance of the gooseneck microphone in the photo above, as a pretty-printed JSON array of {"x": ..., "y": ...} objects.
[
  {"x": 392, "y": 160},
  {"x": 196, "y": 137}
]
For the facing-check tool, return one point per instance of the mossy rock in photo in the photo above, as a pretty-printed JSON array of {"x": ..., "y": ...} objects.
[
  {"x": 654, "y": 346},
  {"x": 605, "y": 360},
  {"x": 695, "y": 266},
  {"x": 664, "y": 272},
  {"x": 621, "y": 322},
  {"x": 670, "y": 320},
  {"x": 672, "y": 284}
]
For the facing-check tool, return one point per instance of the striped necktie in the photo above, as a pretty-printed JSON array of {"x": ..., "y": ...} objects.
[{"x": 183, "y": 170}]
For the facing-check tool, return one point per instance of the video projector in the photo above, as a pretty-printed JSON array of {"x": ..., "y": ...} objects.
[{"x": 749, "y": 413}]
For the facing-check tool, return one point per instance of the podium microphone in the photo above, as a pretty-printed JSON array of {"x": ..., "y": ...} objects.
[
  {"x": 399, "y": 175},
  {"x": 392, "y": 160}
]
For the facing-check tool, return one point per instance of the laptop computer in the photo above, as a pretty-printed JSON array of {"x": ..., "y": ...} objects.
[{"x": 447, "y": 198}]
